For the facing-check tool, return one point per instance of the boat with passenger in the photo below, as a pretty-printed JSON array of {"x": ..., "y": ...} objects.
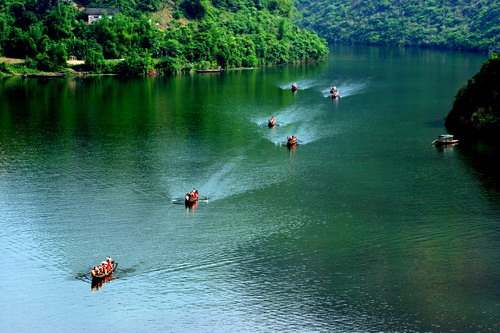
[
  {"x": 104, "y": 270},
  {"x": 191, "y": 198},
  {"x": 445, "y": 139},
  {"x": 291, "y": 141},
  {"x": 271, "y": 122},
  {"x": 295, "y": 87},
  {"x": 334, "y": 93}
]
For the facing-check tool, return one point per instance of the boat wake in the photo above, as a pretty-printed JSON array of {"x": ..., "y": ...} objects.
[
  {"x": 345, "y": 88},
  {"x": 299, "y": 122},
  {"x": 238, "y": 176},
  {"x": 303, "y": 84},
  {"x": 283, "y": 118}
]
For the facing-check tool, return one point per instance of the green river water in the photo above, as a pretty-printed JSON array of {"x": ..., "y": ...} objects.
[{"x": 364, "y": 227}]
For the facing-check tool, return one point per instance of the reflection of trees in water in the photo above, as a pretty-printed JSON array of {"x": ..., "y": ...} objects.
[{"x": 483, "y": 158}]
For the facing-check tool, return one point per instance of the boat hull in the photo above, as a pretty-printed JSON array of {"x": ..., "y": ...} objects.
[
  {"x": 445, "y": 143},
  {"x": 97, "y": 278},
  {"x": 190, "y": 202},
  {"x": 208, "y": 71}
]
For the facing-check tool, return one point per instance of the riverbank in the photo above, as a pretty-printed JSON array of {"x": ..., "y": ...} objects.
[
  {"x": 134, "y": 67},
  {"x": 476, "y": 109}
]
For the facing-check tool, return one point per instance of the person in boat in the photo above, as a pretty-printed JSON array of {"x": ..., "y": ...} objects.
[
  {"x": 272, "y": 121},
  {"x": 334, "y": 92},
  {"x": 192, "y": 195},
  {"x": 295, "y": 86}
]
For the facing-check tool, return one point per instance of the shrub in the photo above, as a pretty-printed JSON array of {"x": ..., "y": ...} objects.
[{"x": 135, "y": 65}]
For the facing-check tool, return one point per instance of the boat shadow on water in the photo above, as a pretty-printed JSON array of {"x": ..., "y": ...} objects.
[{"x": 97, "y": 283}]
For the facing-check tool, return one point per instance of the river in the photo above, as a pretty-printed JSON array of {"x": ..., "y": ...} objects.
[{"x": 363, "y": 227}]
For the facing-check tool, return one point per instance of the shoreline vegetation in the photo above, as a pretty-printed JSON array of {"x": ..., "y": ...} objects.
[
  {"x": 476, "y": 110},
  {"x": 152, "y": 37},
  {"x": 17, "y": 67},
  {"x": 472, "y": 25}
]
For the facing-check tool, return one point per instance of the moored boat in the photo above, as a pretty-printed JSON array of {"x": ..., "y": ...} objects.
[
  {"x": 45, "y": 76},
  {"x": 445, "y": 139},
  {"x": 216, "y": 70}
]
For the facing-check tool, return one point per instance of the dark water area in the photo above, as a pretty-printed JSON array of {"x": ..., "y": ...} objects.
[{"x": 363, "y": 227}]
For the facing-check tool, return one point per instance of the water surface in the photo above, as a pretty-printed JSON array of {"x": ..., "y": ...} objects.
[{"x": 363, "y": 227}]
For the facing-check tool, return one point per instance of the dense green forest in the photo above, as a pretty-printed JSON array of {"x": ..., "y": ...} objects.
[
  {"x": 476, "y": 110},
  {"x": 455, "y": 24},
  {"x": 155, "y": 35}
]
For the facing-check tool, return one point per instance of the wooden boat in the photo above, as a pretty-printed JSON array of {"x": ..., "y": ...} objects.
[
  {"x": 96, "y": 277},
  {"x": 445, "y": 139},
  {"x": 291, "y": 141},
  {"x": 271, "y": 122},
  {"x": 217, "y": 70},
  {"x": 190, "y": 198},
  {"x": 45, "y": 76},
  {"x": 97, "y": 284}
]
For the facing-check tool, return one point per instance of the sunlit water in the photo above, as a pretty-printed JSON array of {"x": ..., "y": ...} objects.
[{"x": 363, "y": 227}]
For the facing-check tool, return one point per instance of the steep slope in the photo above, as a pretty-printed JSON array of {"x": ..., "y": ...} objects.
[
  {"x": 458, "y": 24},
  {"x": 476, "y": 110}
]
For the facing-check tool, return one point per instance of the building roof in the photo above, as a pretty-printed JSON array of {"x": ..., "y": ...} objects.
[{"x": 100, "y": 11}]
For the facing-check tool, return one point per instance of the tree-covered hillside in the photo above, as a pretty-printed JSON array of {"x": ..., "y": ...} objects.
[
  {"x": 476, "y": 110},
  {"x": 197, "y": 34},
  {"x": 457, "y": 24}
]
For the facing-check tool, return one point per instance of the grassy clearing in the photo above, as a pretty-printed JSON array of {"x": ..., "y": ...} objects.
[{"x": 12, "y": 61}]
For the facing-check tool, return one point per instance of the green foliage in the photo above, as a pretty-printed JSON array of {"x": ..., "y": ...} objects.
[
  {"x": 53, "y": 60},
  {"x": 170, "y": 65},
  {"x": 5, "y": 68},
  {"x": 476, "y": 110},
  {"x": 195, "y": 9},
  {"x": 95, "y": 61},
  {"x": 135, "y": 64},
  {"x": 461, "y": 24},
  {"x": 227, "y": 33}
]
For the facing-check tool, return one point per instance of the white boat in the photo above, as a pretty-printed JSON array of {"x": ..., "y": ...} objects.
[{"x": 445, "y": 139}]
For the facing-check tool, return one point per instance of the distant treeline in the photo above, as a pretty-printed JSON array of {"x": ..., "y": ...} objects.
[
  {"x": 476, "y": 110},
  {"x": 457, "y": 24},
  {"x": 192, "y": 34}
]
